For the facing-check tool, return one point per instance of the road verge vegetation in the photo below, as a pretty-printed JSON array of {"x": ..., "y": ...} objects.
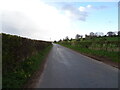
[
  {"x": 102, "y": 48},
  {"x": 21, "y": 57}
]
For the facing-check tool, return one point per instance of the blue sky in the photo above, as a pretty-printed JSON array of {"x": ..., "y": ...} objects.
[
  {"x": 51, "y": 20},
  {"x": 98, "y": 20}
]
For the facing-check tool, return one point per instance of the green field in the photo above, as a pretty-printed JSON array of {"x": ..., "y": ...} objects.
[
  {"x": 111, "y": 55},
  {"x": 107, "y": 47}
]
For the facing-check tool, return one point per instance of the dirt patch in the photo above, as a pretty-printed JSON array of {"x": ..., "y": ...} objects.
[{"x": 31, "y": 83}]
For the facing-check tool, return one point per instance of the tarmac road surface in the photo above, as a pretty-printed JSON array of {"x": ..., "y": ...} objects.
[{"x": 66, "y": 68}]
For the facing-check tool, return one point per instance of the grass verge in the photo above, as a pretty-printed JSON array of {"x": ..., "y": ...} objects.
[
  {"x": 113, "y": 56},
  {"x": 24, "y": 70}
]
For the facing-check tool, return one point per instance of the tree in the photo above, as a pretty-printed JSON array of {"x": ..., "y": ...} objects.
[
  {"x": 60, "y": 40},
  {"x": 86, "y": 35},
  {"x": 110, "y": 33},
  {"x": 81, "y": 36},
  {"x": 55, "y": 41},
  {"x": 71, "y": 39},
  {"x": 99, "y": 34},
  {"x": 66, "y": 38},
  {"x": 77, "y": 36},
  {"x": 92, "y": 34}
]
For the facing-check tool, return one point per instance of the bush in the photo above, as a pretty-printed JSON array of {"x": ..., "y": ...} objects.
[{"x": 19, "y": 57}]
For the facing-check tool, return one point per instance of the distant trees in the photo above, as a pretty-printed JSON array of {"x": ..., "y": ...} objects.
[
  {"x": 92, "y": 34},
  {"x": 81, "y": 36},
  {"x": 60, "y": 40},
  {"x": 96, "y": 34},
  {"x": 66, "y": 38},
  {"x": 71, "y": 39},
  {"x": 55, "y": 41},
  {"x": 110, "y": 33},
  {"x": 77, "y": 36},
  {"x": 86, "y": 35},
  {"x": 99, "y": 34}
]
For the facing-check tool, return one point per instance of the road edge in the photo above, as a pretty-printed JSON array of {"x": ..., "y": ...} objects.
[
  {"x": 34, "y": 79},
  {"x": 113, "y": 64}
]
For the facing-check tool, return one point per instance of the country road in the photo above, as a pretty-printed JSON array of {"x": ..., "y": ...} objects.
[{"x": 68, "y": 69}]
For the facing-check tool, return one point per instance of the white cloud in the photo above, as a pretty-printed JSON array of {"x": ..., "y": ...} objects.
[
  {"x": 80, "y": 13},
  {"x": 34, "y": 19},
  {"x": 81, "y": 8},
  {"x": 85, "y": 8},
  {"x": 89, "y": 6},
  {"x": 75, "y": 13}
]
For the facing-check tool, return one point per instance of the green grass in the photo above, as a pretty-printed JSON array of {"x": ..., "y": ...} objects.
[
  {"x": 102, "y": 38},
  {"x": 113, "y": 55},
  {"x": 106, "y": 47},
  {"x": 24, "y": 70},
  {"x": 113, "y": 38}
]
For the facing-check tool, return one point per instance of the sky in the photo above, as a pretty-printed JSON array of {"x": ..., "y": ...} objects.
[{"x": 54, "y": 20}]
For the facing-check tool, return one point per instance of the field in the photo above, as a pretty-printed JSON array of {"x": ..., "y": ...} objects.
[
  {"x": 105, "y": 47},
  {"x": 21, "y": 57}
]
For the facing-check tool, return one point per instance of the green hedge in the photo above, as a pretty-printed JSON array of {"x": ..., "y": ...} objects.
[{"x": 19, "y": 58}]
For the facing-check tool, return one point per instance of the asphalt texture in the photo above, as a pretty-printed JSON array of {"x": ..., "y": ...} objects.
[{"x": 66, "y": 68}]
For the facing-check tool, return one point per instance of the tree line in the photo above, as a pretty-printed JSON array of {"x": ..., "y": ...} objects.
[{"x": 92, "y": 35}]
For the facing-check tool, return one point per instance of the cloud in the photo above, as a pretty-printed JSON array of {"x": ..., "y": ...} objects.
[
  {"x": 75, "y": 13},
  {"x": 80, "y": 0},
  {"x": 16, "y": 23},
  {"x": 89, "y": 6},
  {"x": 80, "y": 13},
  {"x": 86, "y": 8},
  {"x": 34, "y": 19},
  {"x": 38, "y": 20},
  {"x": 82, "y": 8}
]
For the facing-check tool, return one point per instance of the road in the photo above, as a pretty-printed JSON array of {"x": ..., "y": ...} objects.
[{"x": 66, "y": 68}]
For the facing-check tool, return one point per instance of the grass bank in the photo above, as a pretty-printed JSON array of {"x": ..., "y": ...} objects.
[
  {"x": 113, "y": 56},
  {"x": 103, "y": 48},
  {"x": 24, "y": 70}
]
